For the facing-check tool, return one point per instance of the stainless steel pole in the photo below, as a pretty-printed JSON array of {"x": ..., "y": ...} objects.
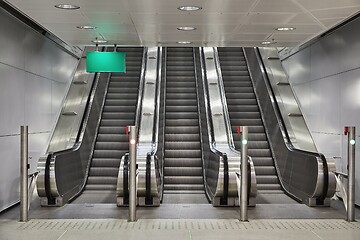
[
  {"x": 351, "y": 175},
  {"x": 132, "y": 175},
  {"x": 244, "y": 175},
  {"x": 24, "y": 174}
]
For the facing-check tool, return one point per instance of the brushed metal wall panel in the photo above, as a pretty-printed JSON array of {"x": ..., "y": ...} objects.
[
  {"x": 12, "y": 88},
  {"x": 299, "y": 68},
  {"x": 58, "y": 91},
  {"x": 325, "y": 59},
  {"x": 329, "y": 143},
  {"x": 38, "y": 56},
  {"x": 349, "y": 99},
  {"x": 305, "y": 103},
  {"x": 11, "y": 54},
  {"x": 63, "y": 67},
  {"x": 37, "y": 147},
  {"x": 35, "y": 74},
  {"x": 350, "y": 47},
  {"x": 325, "y": 96},
  {"x": 9, "y": 171},
  {"x": 37, "y": 103}
]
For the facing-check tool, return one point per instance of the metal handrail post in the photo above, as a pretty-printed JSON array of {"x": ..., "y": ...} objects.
[
  {"x": 24, "y": 196},
  {"x": 132, "y": 174},
  {"x": 351, "y": 175},
  {"x": 244, "y": 175}
]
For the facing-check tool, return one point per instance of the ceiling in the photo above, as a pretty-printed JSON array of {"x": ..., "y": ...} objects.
[{"x": 218, "y": 23}]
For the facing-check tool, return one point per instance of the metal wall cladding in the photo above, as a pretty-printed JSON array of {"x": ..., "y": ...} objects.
[
  {"x": 325, "y": 77},
  {"x": 35, "y": 74}
]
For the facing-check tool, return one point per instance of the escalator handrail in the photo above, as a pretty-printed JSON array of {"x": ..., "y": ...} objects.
[
  {"x": 223, "y": 156},
  {"x": 141, "y": 92},
  {"x": 223, "y": 101},
  {"x": 284, "y": 131},
  {"x": 157, "y": 103}
]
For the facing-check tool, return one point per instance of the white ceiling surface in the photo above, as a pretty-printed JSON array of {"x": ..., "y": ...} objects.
[{"x": 219, "y": 23}]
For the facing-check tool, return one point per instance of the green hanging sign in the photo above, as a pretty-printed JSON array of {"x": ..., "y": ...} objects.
[{"x": 105, "y": 62}]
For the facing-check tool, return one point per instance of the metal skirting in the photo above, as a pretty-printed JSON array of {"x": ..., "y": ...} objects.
[{"x": 184, "y": 224}]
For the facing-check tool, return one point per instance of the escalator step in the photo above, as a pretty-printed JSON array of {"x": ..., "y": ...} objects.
[
  {"x": 102, "y": 180},
  {"x": 109, "y": 154},
  {"x": 181, "y": 96},
  {"x": 180, "y": 108},
  {"x": 105, "y": 162},
  {"x": 182, "y": 130},
  {"x": 109, "y": 124},
  {"x": 122, "y": 90},
  {"x": 184, "y": 153},
  {"x": 118, "y": 115},
  {"x": 245, "y": 115},
  {"x": 182, "y": 145},
  {"x": 189, "y": 180},
  {"x": 262, "y": 161},
  {"x": 112, "y": 137},
  {"x": 183, "y": 171},
  {"x": 182, "y": 115},
  {"x": 104, "y": 171},
  {"x": 189, "y": 162},
  {"x": 119, "y": 109},
  {"x": 182, "y": 187},
  {"x": 268, "y": 186},
  {"x": 111, "y": 145},
  {"x": 265, "y": 170},
  {"x": 259, "y": 152},
  {"x": 120, "y": 102},
  {"x": 182, "y": 137},
  {"x": 181, "y": 122}
]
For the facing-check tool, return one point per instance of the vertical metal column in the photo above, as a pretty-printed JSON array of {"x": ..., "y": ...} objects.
[
  {"x": 351, "y": 175},
  {"x": 24, "y": 174},
  {"x": 132, "y": 175},
  {"x": 244, "y": 175}
]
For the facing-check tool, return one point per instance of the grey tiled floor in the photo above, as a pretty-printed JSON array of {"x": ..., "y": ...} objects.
[
  {"x": 190, "y": 229},
  {"x": 286, "y": 209},
  {"x": 175, "y": 220}
]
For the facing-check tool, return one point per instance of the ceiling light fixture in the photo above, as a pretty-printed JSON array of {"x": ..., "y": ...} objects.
[
  {"x": 86, "y": 27},
  {"x": 189, "y": 8},
  {"x": 184, "y": 42},
  {"x": 266, "y": 43},
  {"x": 98, "y": 41},
  {"x": 67, "y": 6},
  {"x": 285, "y": 28},
  {"x": 186, "y": 28}
]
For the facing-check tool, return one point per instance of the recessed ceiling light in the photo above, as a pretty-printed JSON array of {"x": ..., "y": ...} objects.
[
  {"x": 184, "y": 42},
  {"x": 86, "y": 27},
  {"x": 186, "y": 28},
  {"x": 67, "y": 6},
  {"x": 97, "y": 41},
  {"x": 285, "y": 28},
  {"x": 189, "y": 8}
]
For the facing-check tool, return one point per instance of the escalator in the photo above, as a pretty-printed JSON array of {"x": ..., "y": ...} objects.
[
  {"x": 111, "y": 143},
  {"x": 183, "y": 173},
  {"x": 244, "y": 111}
]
